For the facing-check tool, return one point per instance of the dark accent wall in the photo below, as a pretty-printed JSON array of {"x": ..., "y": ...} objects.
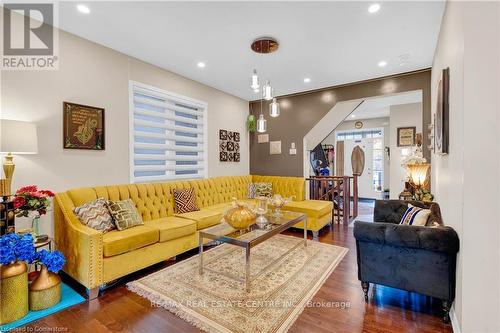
[{"x": 300, "y": 112}]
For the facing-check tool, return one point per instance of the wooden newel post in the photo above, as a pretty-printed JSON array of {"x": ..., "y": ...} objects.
[{"x": 355, "y": 196}]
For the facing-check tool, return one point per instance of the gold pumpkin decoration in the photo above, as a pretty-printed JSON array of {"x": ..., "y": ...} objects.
[
  {"x": 45, "y": 290},
  {"x": 13, "y": 292},
  {"x": 240, "y": 216}
]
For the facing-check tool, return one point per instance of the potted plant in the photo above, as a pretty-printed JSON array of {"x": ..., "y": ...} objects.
[
  {"x": 45, "y": 290},
  {"x": 29, "y": 199},
  {"x": 15, "y": 251}
]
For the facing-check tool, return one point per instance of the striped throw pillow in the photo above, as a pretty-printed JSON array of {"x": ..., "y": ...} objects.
[
  {"x": 415, "y": 216},
  {"x": 95, "y": 214}
]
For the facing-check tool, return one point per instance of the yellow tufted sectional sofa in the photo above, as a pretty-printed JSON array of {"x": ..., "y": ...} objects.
[{"x": 94, "y": 258}]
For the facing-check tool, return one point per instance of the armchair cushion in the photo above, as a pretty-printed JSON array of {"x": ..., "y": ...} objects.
[
  {"x": 439, "y": 239},
  {"x": 392, "y": 211}
]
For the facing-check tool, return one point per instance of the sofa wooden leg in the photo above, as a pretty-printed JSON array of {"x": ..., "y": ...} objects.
[
  {"x": 315, "y": 236},
  {"x": 93, "y": 293},
  {"x": 446, "y": 311},
  {"x": 366, "y": 288}
]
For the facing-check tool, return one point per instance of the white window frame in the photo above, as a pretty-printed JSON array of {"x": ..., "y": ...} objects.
[{"x": 133, "y": 86}]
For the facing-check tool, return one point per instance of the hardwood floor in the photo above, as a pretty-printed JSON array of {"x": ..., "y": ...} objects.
[{"x": 388, "y": 310}]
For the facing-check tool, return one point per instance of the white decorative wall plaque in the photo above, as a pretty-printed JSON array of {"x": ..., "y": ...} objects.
[
  {"x": 275, "y": 147},
  {"x": 263, "y": 138}
]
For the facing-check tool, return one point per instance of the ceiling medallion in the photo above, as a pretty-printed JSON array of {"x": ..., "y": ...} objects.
[{"x": 265, "y": 45}]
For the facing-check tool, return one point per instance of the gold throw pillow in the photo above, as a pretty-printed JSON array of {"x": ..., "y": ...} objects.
[{"x": 124, "y": 214}]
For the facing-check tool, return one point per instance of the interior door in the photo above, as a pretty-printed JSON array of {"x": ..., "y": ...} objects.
[{"x": 365, "y": 181}]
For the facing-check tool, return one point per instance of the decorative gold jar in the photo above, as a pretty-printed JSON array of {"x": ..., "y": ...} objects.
[
  {"x": 13, "y": 292},
  {"x": 240, "y": 216},
  {"x": 45, "y": 290}
]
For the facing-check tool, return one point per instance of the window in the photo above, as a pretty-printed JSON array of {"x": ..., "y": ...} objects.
[{"x": 167, "y": 135}]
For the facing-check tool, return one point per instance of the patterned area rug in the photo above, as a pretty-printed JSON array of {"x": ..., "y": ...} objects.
[{"x": 282, "y": 285}]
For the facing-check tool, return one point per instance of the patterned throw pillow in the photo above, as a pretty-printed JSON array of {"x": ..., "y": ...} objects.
[
  {"x": 263, "y": 190},
  {"x": 251, "y": 191},
  {"x": 124, "y": 214},
  {"x": 96, "y": 215},
  {"x": 185, "y": 200},
  {"x": 415, "y": 216}
]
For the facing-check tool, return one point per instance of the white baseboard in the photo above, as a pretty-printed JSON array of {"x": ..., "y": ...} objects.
[{"x": 455, "y": 325}]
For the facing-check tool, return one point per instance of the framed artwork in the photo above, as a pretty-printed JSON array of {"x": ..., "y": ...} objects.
[
  {"x": 442, "y": 115},
  {"x": 406, "y": 136},
  {"x": 229, "y": 146},
  {"x": 83, "y": 127}
]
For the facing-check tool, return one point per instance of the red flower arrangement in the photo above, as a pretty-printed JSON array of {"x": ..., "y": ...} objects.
[{"x": 30, "y": 199}]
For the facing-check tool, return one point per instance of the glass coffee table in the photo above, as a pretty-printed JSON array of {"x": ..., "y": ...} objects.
[{"x": 252, "y": 236}]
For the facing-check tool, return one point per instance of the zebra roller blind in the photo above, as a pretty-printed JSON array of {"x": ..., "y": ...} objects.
[{"x": 168, "y": 135}]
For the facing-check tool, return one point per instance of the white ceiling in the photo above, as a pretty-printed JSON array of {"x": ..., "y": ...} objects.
[
  {"x": 329, "y": 42},
  {"x": 379, "y": 107}
]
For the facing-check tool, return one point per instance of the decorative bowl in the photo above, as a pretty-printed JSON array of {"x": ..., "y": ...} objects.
[{"x": 240, "y": 216}]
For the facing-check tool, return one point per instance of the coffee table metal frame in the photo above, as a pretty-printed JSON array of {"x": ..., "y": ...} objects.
[{"x": 247, "y": 245}]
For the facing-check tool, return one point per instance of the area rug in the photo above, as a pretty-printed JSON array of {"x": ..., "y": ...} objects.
[{"x": 282, "y": 285}]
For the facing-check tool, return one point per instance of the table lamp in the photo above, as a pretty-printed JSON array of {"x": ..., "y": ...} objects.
[
  {"x": 16, "y": 137},
  {"x": 418, "y": 174}
]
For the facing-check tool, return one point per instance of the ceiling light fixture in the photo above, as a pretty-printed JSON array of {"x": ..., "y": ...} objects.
[
  {"x": 374, "y": 8},
  {"x": 201, "y": 64},
  {"x": 83, "y": 9},
  {"x": 261, "y": 124},
  {"x": 307, "y": 80},
  {"x": 274, "y": 108},
  {"x": 267, "y": 91},
  {"x": 382, "y": 63},
  {"x": 255, "y": 82},
  {"x": 353, "y": 116}
]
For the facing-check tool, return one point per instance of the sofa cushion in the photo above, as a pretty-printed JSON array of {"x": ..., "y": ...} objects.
[
  {"x": 121, "y": 241},
  {"x": 220, "y": 208},
  {"x": 204, "y": 218},
  {"x": 312, "y": 208},
  {"x": 172, "y": 227},
  {"x": 415, "y": 216},
  {"x": 95, "y": 214},
  {"x": 185, "y": 200}
]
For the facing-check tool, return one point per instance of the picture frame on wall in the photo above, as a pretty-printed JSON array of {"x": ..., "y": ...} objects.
[
  {"x": 229, "y": 146},
  {"x": 407, "y": 136},
  {"x": 83, "y": 127},
  {"x": 442, "y": 114}
]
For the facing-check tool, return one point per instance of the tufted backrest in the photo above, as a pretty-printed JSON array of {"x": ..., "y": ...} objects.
[
  {"x": 155, "y": 200},
  {"x": 285, "y": 186}
]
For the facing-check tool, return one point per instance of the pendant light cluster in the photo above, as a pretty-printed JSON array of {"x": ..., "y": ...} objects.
[{"x": 264, "y": 45}]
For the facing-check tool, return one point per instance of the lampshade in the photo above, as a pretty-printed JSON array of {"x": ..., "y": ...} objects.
[
  {"x": 261, "y": 124},
  {"x": 418, "y": 173},
  {"x": 18, "y": 137},
  {"x": 274, "y": 108}
]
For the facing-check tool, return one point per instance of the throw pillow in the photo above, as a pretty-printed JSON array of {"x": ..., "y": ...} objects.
[
  {"x": 263, "y": 190},
  {"x": 124, "y": 214},
  {"x": 95, "y": 214},
  {"x": 185, "y": 200},
  {"x": 251, "y": 191},
  {"x": 415, "y": 216}
]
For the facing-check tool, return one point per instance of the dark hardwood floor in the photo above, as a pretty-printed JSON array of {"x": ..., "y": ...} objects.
[{"x": 388, "y": 310}]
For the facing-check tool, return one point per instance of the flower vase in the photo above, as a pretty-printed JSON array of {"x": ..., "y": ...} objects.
[
  {"x": 45, "y": 290},
  {"x": 13, "y": 292},
  {"x": 35, "y": 225}
]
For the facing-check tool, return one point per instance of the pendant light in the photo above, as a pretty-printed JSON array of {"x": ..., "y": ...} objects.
[
  {"x": 274, "y": 108},
  {"x": 267, "y": 91},
  {"x": 255, "y": 82},
  {"x": 261, "y": 124}
]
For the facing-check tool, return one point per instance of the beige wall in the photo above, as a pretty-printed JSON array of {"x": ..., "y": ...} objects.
[
  {"x": 404, "y": 115},
  {"x": 95, "y": 75},
  {"x": 466, "y": 182}
]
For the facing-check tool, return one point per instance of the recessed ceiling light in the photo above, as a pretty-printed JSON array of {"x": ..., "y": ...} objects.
[
  {"x": 374, "y": 8},
  {"x": 83, "y": 9},
  {"x": 201, "y": 64},
  {"x": 382, "y": 63},
  {"x": 353, "y": 116},
  {"x": 307, "y": 80}
]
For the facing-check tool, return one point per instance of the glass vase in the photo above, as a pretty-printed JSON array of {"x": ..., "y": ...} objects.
[{"x": 35, "y": 226}]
